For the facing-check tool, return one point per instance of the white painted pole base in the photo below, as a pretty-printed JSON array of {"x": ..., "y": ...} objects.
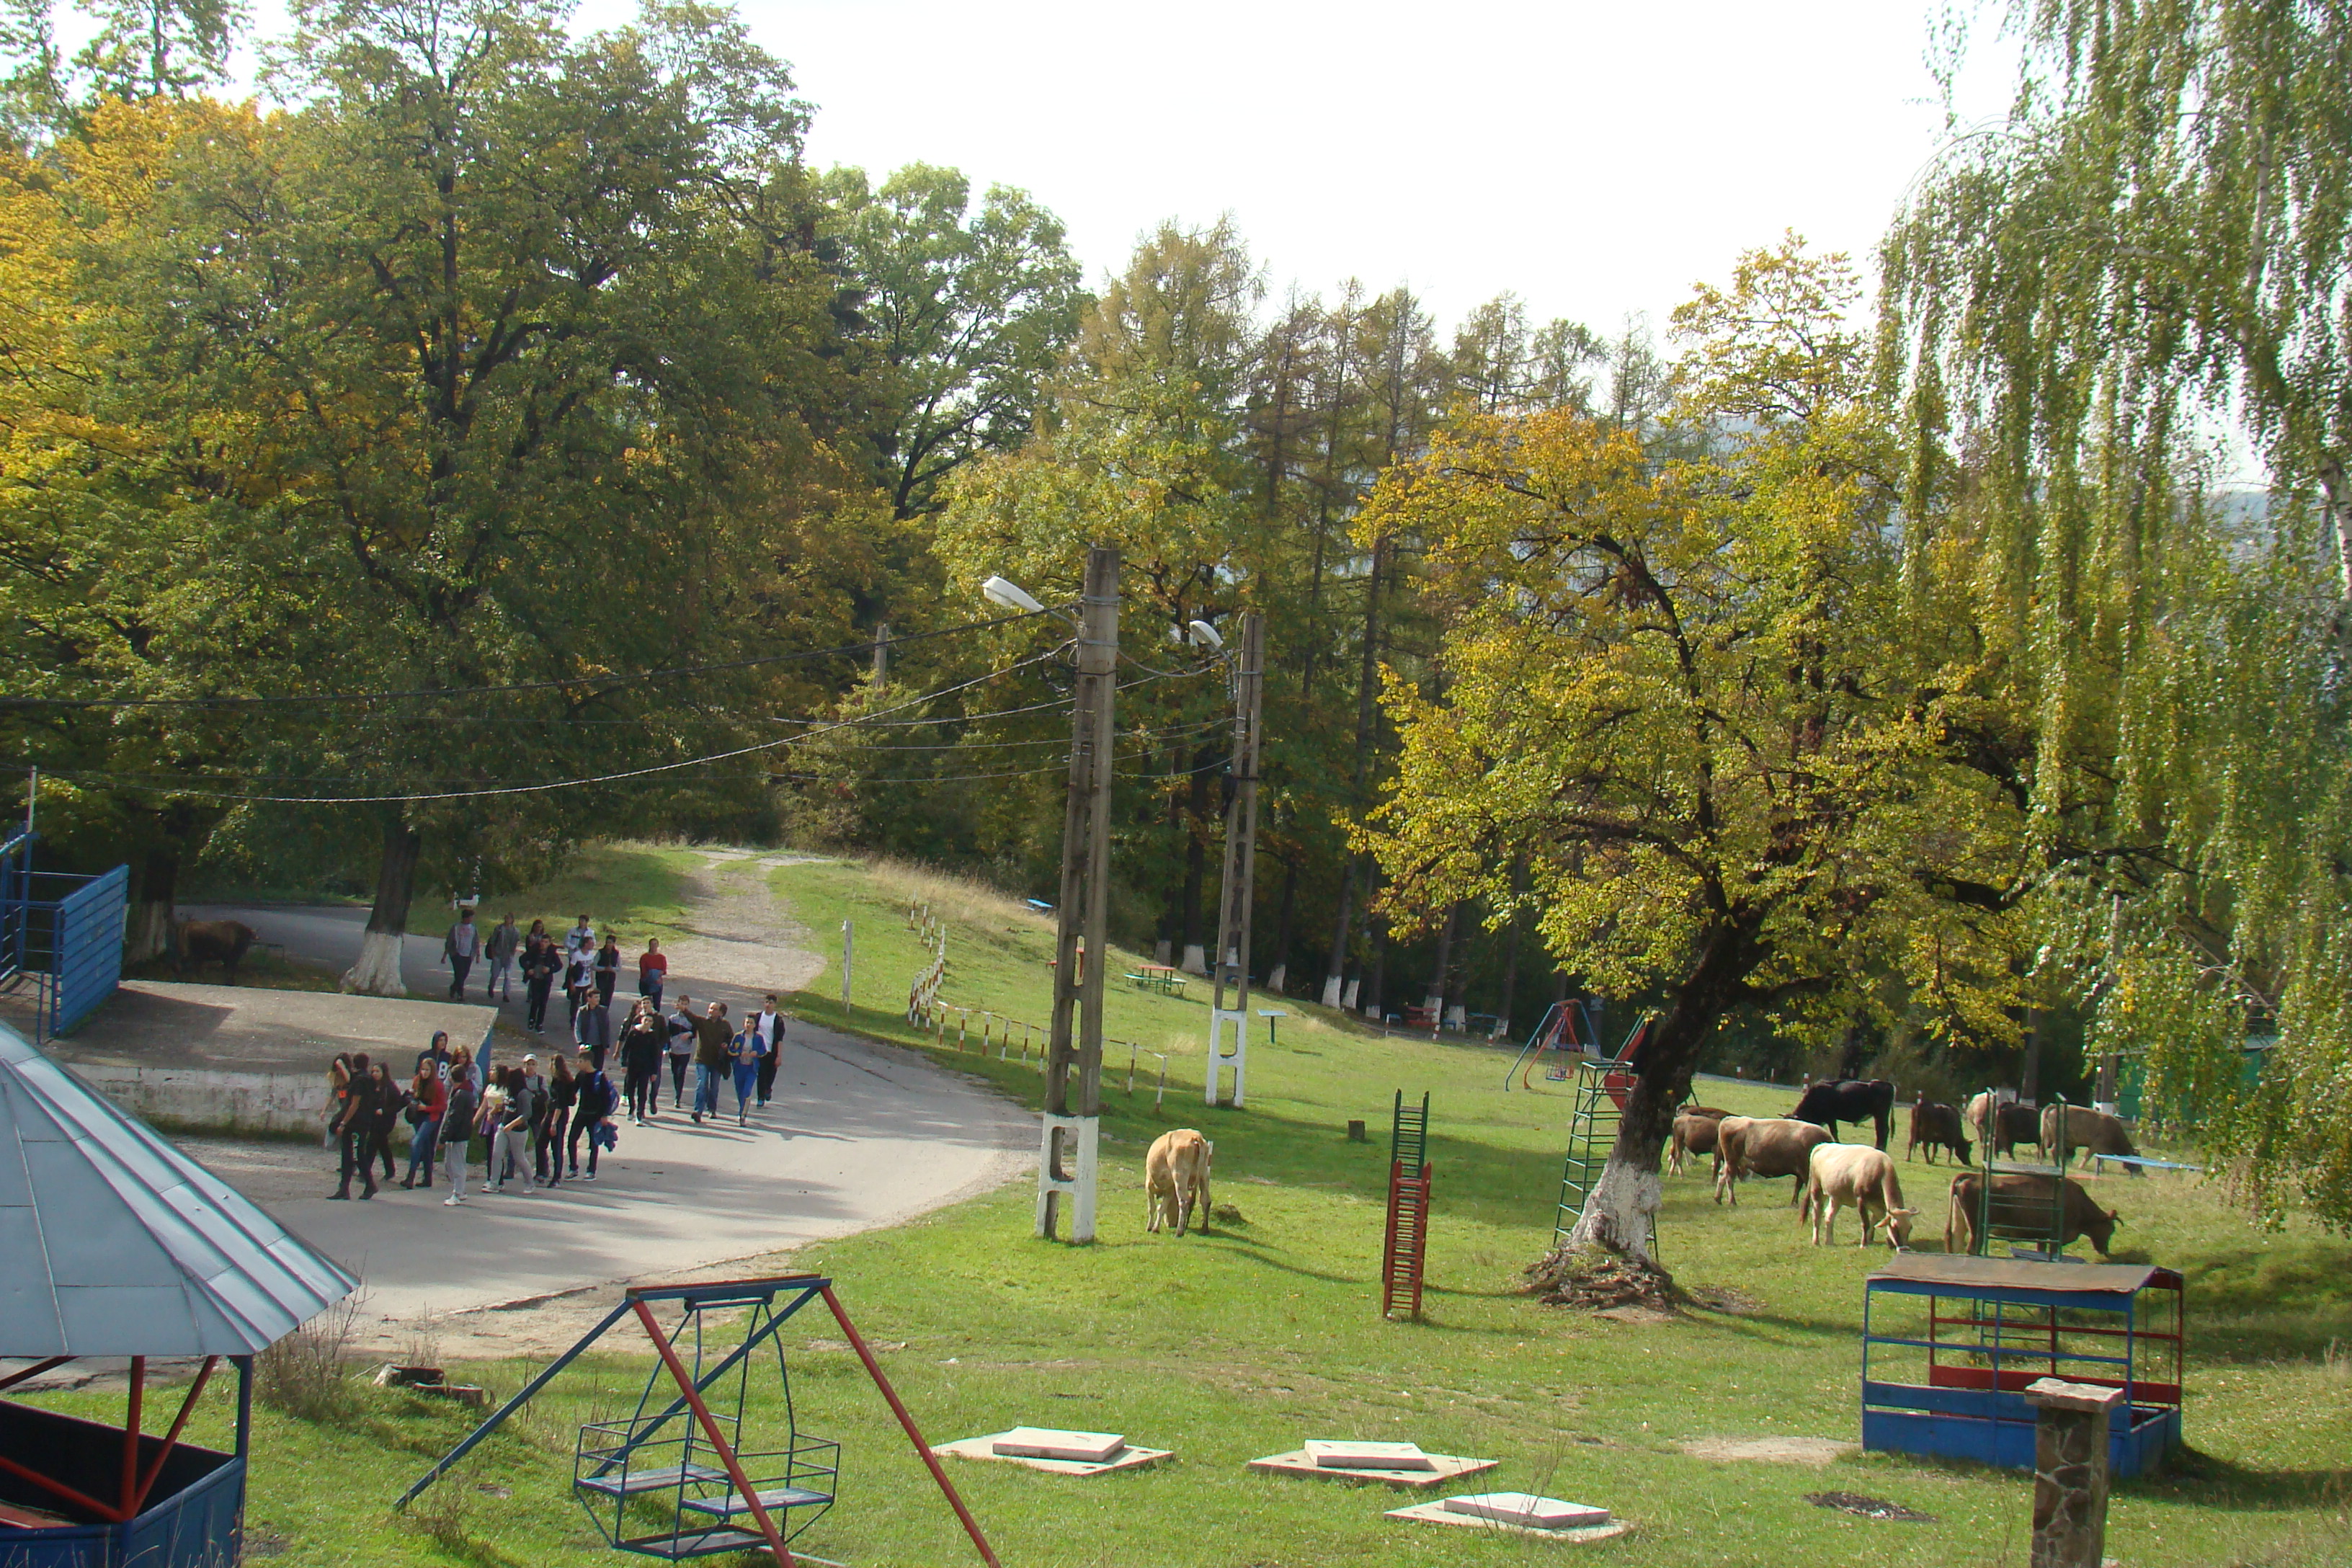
[
  {"x": 1331, "y": 990},
  {"x": 1066, "y": 1148},
  {"x": 1196, "y": 959},
  {"x": 377, "y": 974},
  {"x": 1220, "y": 1059},
  {"x": 1348, "y": 996}
]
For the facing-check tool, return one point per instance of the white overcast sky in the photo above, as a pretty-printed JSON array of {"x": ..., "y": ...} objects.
[{"x": 1597, "y": 159}]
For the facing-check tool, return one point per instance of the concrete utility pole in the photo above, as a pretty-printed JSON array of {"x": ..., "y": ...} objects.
[
  {"x": 881, "y": 654},
  {"x": 1241, "y": 871},
  {"x": 1065, "y": 1158}
]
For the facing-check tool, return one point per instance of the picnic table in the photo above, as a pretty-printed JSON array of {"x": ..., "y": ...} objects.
[{"x": 1164, "y": 978}]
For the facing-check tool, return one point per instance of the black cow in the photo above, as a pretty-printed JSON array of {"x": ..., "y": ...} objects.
[
  {"x": 1856, "y": 1100},
  {"x": 1935, "y": 1127},
  {"x": 225, "y": 943}
]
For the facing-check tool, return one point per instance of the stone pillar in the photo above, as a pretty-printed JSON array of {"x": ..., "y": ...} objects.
[{"x": 2070, "y": 1471}]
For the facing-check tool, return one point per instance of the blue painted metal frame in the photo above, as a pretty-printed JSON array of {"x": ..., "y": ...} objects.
[
  {"x": 74, "y": 940},
  {"x": 1995, "y": 1426}
]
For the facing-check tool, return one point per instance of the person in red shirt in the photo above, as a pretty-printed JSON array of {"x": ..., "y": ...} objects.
[{"x": 653, "y": 969}]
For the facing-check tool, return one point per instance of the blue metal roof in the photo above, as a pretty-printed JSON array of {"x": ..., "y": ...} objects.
[{"x": 117, "y": 1244}]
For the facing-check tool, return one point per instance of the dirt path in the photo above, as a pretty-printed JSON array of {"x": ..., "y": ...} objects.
[{"x": 740, "y": 935}]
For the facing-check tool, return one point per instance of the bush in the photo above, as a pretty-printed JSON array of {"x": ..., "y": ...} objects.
[{"x": 304, "y": 1374}]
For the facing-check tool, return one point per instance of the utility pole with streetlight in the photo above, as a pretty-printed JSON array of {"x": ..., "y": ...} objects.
[
  {"x": 1240, "y": 880},
  {"x": 1068, "y": 1150}
]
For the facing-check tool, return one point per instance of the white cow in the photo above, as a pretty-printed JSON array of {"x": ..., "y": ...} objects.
[{"x": 1864, "y": 1178}]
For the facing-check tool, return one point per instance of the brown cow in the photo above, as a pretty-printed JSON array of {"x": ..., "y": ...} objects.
[
  {"x": 2016, "y": 1192},
  {"x": 1176, "y": 1180},
  {"x": 1763, "y": 1146},
  {"x": 2015, "y": 1125},
  {"x": 1862, "y": 1178},
  {"x": 1935, "y": 1127},
  {"x": 2092, "y": 1131},
  {"x": 225, "y": 943},
  {"x": 1694, "y": 1134}
]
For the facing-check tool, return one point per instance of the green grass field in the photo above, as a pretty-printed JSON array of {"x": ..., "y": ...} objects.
[{"x": 1264, "y": 1333}]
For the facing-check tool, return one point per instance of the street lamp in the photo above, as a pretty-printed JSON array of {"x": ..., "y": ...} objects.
[
  {"x": 1205, "y": 635},
  {"x": 1012, "y": 595}
]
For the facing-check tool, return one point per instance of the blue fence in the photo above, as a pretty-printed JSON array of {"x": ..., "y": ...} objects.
[{"x": 64, "y": 931}]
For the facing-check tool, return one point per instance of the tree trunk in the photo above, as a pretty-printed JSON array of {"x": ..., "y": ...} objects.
[
  {"x": 1511, "y": 964},
  {"x": 1196, "y": 870},
  {"x": 1435, "y": 1000},
  {"x": 1621, "y": 1211},
  {"x": 1278, "y": 976},
  {"x": 377, "y": 974},
  {"x": 1335, "y": 972},
  {"x": 148, "y": 934}
]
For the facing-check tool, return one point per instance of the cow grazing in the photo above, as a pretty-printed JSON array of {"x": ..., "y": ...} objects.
[
  {"x": 225, "y": 943},
  {"x": 2000, "y": 1134},
  {"x": 1694, "y": 1134},
  {"x": 1935, "y": 1127},
  {"x": 1176, "y": 1180},
  {"x": 2090, "y": 1132},
  {"x": 2015, "y": 1194},
  {"x": 1854, "y": 1100},
  {"x": 1763, "y": 1146},
  {"x": 1864, "y": 1180}
]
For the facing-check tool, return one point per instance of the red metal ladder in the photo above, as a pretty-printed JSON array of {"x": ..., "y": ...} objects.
[{"x": 1406, "y": 1248}]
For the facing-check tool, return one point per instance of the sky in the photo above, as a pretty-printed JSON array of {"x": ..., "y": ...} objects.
[{"x": 1595, "y": 159}]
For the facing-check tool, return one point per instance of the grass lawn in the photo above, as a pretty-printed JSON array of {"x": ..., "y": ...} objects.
[
  {"x": 632, "y": 889},
  {"x": 1264, "y": 1332}
]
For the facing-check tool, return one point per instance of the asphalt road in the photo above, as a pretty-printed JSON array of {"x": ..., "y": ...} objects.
[{"x": 859, "y": 1135}]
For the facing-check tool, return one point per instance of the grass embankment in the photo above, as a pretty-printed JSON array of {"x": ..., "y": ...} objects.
[
  {"x": 635, "y": 890},
  {"x": 1263, "y": 1333}
]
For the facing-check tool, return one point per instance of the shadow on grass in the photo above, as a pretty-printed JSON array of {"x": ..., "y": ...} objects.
[{"x": 2204, "y": 1480}]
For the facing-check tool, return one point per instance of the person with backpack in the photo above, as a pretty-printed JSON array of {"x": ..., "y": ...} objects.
[
  {"x": 771, "y": 1025},
  {"x": 503, "y": 943},
  {"x": 511, "y": 1135},
  {"x": 563, "y": 1092},
  {"x": 641, "y": 1039},
  {"x": 354, "y": 1127},
  {"x": 746, "y": 1052},
  {"x": 579, "y": 981},
  {"x": 595, "y": 1100},
  {"x": 681, "y": 1049},
  {"x": 541, "y": 962},
  {"x": 391, "y": 1100},
  {"x": 428, "y": 1101},
  {"x": 461, "y": 947},
  {"x": 457, "y": 1125}
]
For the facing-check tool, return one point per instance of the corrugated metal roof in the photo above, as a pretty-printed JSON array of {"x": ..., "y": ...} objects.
[{"x": 114, "y": 1242}]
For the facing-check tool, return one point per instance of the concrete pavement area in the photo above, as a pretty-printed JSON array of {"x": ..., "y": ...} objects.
[{"x": 859, "y": 1135}]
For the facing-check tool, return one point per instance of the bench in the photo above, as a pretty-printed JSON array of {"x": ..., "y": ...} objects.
[{"x": 2145, "y": 1163}]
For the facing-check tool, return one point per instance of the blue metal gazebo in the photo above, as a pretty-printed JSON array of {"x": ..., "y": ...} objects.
[{"x": 116, "y": 1244}]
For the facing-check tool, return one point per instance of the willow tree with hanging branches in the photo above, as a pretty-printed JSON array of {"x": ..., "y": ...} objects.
[{"x": 2094, "y": 313}]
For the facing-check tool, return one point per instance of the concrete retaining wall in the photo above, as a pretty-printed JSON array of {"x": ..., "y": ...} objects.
[{"x": 214, "y": 1101}]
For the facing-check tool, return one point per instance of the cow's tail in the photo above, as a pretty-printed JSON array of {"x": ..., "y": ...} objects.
[{"x": 1952, "y": 1219}]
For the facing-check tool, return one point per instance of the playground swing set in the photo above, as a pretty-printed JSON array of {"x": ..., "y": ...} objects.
[{"x": 679, "y": 1478}]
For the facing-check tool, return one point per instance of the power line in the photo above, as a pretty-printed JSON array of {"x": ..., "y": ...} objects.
[
  {"x": 488, "y": 791},
  {"x": 446, "y": 691}
]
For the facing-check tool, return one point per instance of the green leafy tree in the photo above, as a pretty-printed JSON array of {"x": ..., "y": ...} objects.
[
  {"x": 1683, "y": 720},
  {"x": 2094, "y": 314},
  {"x": 967, "y": 313}
]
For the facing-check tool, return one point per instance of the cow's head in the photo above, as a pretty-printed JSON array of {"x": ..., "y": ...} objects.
[
  {"x": 1898, "y": 1228},
  {"x": 1965, "y": 1146},
  {"x": 2101, "y": 1230}
]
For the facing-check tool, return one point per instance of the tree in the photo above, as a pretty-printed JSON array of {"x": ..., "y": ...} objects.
[
  {"x": 967, "y": 313},
  {"x": 2087, "y": 310},
  {"x": 1680, "y": 694},
  {"x": 161, "y": 48},
  {"x": 496, "y": 364}
]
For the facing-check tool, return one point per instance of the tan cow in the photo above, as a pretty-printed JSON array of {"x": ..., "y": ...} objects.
[
  {"x": 1862, "y": 1178},
  {"x": 2088, "y": 1130},
  {"x": 1694, "y": 1134},
  {"x": 1176, "y": 1180},
  {"x": 1763, "y": 1146},
  {"x": 2016, "y": 1195}
]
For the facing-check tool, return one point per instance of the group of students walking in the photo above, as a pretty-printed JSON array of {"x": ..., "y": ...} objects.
[{"x": 533, "y": 1124}]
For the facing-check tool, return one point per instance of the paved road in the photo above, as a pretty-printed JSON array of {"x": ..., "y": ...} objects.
[{"x": 859, "y": 1135}]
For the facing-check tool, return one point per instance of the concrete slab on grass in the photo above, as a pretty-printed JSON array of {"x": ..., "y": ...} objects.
[
  {"x": 1129, "y": 1457},
  {"x": 1772, "y": 1450},
  {"x": 1059, "y": 1443},
  {"x": 1443, "y": 1467},
  {"x": 1437, "y": 1513},
  {"x": 1334, "y": 1455}
]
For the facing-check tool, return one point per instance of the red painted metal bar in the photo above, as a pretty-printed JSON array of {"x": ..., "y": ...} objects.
[
  {"x": 14, "y": 1378},
  {"x": 874, "y": 1370},
  {"x": 106, "y": 1511},
  {"x": 663, "y": 1348},
  {"x": 130, "y": 1436},
  {"x": 171, "y": 1439}
]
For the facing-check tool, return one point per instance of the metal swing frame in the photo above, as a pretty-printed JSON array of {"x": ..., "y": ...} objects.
[{"x": 603, "y": 1464}]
